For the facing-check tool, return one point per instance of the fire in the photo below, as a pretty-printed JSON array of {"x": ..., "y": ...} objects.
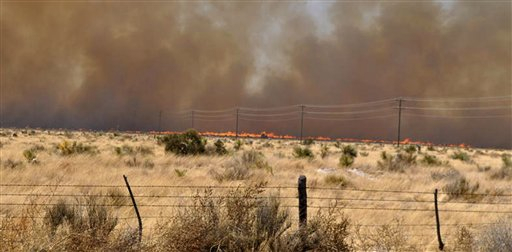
[{"x": 271, "y": 135}]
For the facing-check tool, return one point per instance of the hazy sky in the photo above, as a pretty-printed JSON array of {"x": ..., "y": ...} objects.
[{"x": 99, "y": 64}]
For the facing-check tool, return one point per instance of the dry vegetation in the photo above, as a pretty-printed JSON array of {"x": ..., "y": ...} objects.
[{"x": 243, "y": 210}]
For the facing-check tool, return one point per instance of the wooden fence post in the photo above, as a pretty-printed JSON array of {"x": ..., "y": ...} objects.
[
  {"x": 303, "y": 211},
  {"x": 438, "y": 225},
  {"x": 303, "y": 202},
  {"x": 134, "y": 206}
]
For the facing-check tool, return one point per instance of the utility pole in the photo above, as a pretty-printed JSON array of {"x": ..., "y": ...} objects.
[
  {"x": 192, "y": 118},
  {"x": 237, "y": 122},
  {"x": 160, "y": 121},
  {"x": 399, "y": 120},
  {"x": 301, "y": 121}
]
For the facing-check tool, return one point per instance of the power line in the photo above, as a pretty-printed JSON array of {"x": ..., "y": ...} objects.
[{"x": 458, "y": 108}]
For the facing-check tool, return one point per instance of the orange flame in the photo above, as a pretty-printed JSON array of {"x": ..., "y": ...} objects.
[{"x": 271, "y": 135}]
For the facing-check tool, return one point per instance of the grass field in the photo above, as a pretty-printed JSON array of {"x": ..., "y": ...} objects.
[{"x": 385, "y": 194}]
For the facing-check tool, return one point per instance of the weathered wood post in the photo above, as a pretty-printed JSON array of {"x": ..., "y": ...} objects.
[
  {"x": 134, "y": 206},
  {"x": 438, "y": 225},
  {"x": 303, "y": 210}
]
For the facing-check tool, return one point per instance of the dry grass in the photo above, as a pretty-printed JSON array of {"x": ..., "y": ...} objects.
[{"x": 102, "y": 158}]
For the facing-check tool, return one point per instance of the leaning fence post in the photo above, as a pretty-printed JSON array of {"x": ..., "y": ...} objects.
[
  {"x": 441, "y": 245},
  {"x": 134, "y": 206}
]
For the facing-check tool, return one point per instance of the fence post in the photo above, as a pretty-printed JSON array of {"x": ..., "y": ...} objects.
[
  {"x": 303, "y": 211},
  {"x": 438, "y": 225},
  {"x": 134, "y": 206}
]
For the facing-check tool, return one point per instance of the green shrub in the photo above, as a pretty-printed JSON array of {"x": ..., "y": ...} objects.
[
  {"x": 30, "y": 156},
  {"x": 180, "y": 173},
  {"x": 242, "y": 166},
  {"x": 410, "y": 149},
  {"x": 220, "y": 149},
  {"x": 349, "y": 150},
  {"x": 238, "y": 145},
  {"x": 460, "y": 155},
  {"x": 66, "y": 148},
  {"x": 188, "y": 143},
  {"x": 346, "y": 161},
  {"x": 299, "y": 152},
  {"x": 364, "y": 154},
  {"x": 431, "y": 160},
  {"x": 507, "y": 162}
]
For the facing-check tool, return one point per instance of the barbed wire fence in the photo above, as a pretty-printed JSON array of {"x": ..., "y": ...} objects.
[{"x": 167, "y": 200}]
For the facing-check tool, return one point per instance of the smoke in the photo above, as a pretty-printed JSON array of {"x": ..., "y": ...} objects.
[{"x": 117, "y": 64}]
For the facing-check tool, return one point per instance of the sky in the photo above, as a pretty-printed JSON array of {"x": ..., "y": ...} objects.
[{"x": 103, "y": 65}]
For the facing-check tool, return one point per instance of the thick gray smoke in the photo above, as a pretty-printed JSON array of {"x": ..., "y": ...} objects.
[{"x": 117, "y": 64}]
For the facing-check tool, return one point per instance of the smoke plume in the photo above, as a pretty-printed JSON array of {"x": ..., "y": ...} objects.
[{"x": 108, "y": 65}]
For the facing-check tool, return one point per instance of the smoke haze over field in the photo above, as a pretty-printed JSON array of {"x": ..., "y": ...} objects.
[{"x": 98, "y": 65}]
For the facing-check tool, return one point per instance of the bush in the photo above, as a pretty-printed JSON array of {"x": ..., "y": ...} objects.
[
  {"x": 431, "y": 160},
  {"x": 308, "y": 141},
  {"x": 89, "y": 227},
  {"x": 410, "y": 149},
  {"x": 496, "y": 237},
  {"x": 30, "y": 156},
  {"x": 66, "y": 148},
  {"x": 396, "y": 163},
  {"x": 11, "y": 164},
  {"x": 220, "y": 149},
  {"x": 505, "y": 172},
  {"x": 349, "y": 153},
  {"x": 299, "y": 152},
  {"x": 180, "y": 173},
  {"x": 336, "y": 180},
  {"x": 460, "y": 187},
  {"x": 242, "y": 166},
  {"x": 388, "y": 237},
  {"x": 238, "y": 145},
  {"x": 188, "y": 143},
  {"x": 241, "y": 221},
  {"x": 324, "y": 151},
  {"x": 460, "y": 155}
]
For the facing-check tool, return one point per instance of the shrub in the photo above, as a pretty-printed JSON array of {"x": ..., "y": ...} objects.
[
  {"x": 465, "y": 240},
  {"x": 242, "y": 166},
  {"x": 505, "y": 172},
  {"x": 349, "y": 150},
  {"x": 308, "y": 141},
  {"x": 460, "y": 155},
  {"x": 431, "y": 160},
  {"x": 396, "y": 163},
  {"x": 460, "y": 187},
  {"x": 89, "y": 227},
  {"x": 11, "y": 164},
  {"x": 324, "y": 151},
  {"x": 66, "y": 148},
  {"x": 117, "y": 197},
  {"x": 180, "y": 173},
  {"x": 238, "y": 145},
  {"x": 349, "y": 153},
  {"x": 220, "y": 149},
  {"x": 188, "y": 143},
  {"x": 241, "y": 221},
  {"x": 410, "y": 149},
  {"x": 124, "y": 150},
  {"x": 336, "y": 180},
  {"x": 496, "y": 237},
  {"x": 30, "y": 156},
  {"x": 299, "y": 152},
  {"x": 364, "y": 154},
  {"x": 388, "y": 237}
]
